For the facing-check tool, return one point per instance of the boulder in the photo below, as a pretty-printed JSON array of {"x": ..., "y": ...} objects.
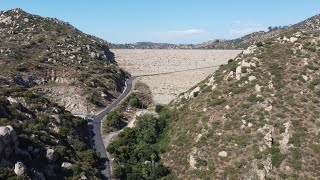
[
  {"x": 238, "y": 73},
  {"x": 57, "y": 118},
  {"x": 251, "y": 78},
  {"x": 83, "y": 177},
  {"x": 20, "y": 168},
  {"x": 51, "y": 155},
  {"x": 93, "y": 55},
  {"x": 305, "y": 77},
  {"x": 249, "y": 50},
  {"x": 257, "y": 88},
  {"x": 223, "y": 154},
  {"x": 5, "y": 135},
  {"x": 66, "y": 165},
  {"x": 293, "y": 39},
  {"x": 13, "y": 134}
]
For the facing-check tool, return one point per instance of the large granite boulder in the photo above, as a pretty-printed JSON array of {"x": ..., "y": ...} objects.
[
  {"x": 20, "y": 168},
  {"x": 51, "y": 155}
]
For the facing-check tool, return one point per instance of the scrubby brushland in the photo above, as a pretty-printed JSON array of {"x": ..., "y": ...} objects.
[
  {"x": 53, "y": 58},
  {"x": 257, "y": 117},
  {"x": 43, "y": 140},
  {"x": 48, "y": 70}
]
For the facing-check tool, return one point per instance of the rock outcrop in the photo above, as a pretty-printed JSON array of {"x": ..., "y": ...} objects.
[
  {"x": 8, "y": 141},
  {"x": 51, "y": 155},
  {"x": 20, "y": 168}
]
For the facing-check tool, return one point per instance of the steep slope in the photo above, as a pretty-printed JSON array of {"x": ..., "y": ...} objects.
[
  {"x": 256, "y": 118},
  {"x": 49, "y": 68},
  {"x": 43, "y": 140},
  {"x": 69, "y": 67}
]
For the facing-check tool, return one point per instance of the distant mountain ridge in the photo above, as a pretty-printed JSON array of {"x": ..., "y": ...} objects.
[
  {"x": 150, "y": 45},
  {"x": 244, "y": 42}
]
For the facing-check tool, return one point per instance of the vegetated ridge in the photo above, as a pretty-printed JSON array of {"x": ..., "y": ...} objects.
[
  {"x": 53, "y": 58},
  {"x": 257, "y": 117},
  {"x": 49, "y": 68}
]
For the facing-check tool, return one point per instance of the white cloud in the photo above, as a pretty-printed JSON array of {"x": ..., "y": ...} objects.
[
  {"x": 181, "y": 33},
  {"x": 191, "y": 35}
]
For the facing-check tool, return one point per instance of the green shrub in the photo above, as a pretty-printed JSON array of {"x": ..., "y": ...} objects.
[
  {"x": 314, "y": 83},
  {"x": 201, "y": 162},
  {"x": 158, "y": 108},
  {"x": 255, "y": 98},
  {"x": 259, "y": 44},
  {"x": 276, "y": 156},
  {"x": 134, "y": 101},
  {"x": 217, "y": 102},
  {"x": 114, "y": 121}
]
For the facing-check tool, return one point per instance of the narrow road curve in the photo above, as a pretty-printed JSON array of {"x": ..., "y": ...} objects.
[
  {"x": 97, "y": 136},
  {"x": 96, "y": 123}
]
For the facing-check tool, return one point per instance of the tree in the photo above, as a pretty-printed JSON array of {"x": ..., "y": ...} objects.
[
  {"x": 135, "y": 102},
  {"x": 115, "y": 120}
]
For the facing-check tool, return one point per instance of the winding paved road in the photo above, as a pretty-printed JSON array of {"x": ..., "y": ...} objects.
[
  {"x": 96, "y": 123},
  {"x": 97, "y": 138}
]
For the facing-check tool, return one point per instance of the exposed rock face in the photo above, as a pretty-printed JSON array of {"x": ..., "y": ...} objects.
[
  {"x": 5, "y": 135},
  {"x": 20, "y": 168},
  {"x": 250, "y": 50},
  {"x": 8, "y": 141},
  {"x": 285, "y": 137},
  {"x": 238, "y": 72},
  {"x": 51, "y": 155},
  {"x": 57, "y": 118}
]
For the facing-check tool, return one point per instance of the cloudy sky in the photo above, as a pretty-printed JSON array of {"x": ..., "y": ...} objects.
[{"x": 171, "y": 21}]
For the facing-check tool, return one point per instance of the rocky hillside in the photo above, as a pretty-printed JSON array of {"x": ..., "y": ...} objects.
[
  {"x": 40, "y": 140},
  {"x": 257, "y": 117},
  {"x": 312, "y": 23},
  {"x": 53, "y": 58}
]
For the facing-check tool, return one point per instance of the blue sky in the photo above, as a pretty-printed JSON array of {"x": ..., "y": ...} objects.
[{"x": 172, "y": 21}]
